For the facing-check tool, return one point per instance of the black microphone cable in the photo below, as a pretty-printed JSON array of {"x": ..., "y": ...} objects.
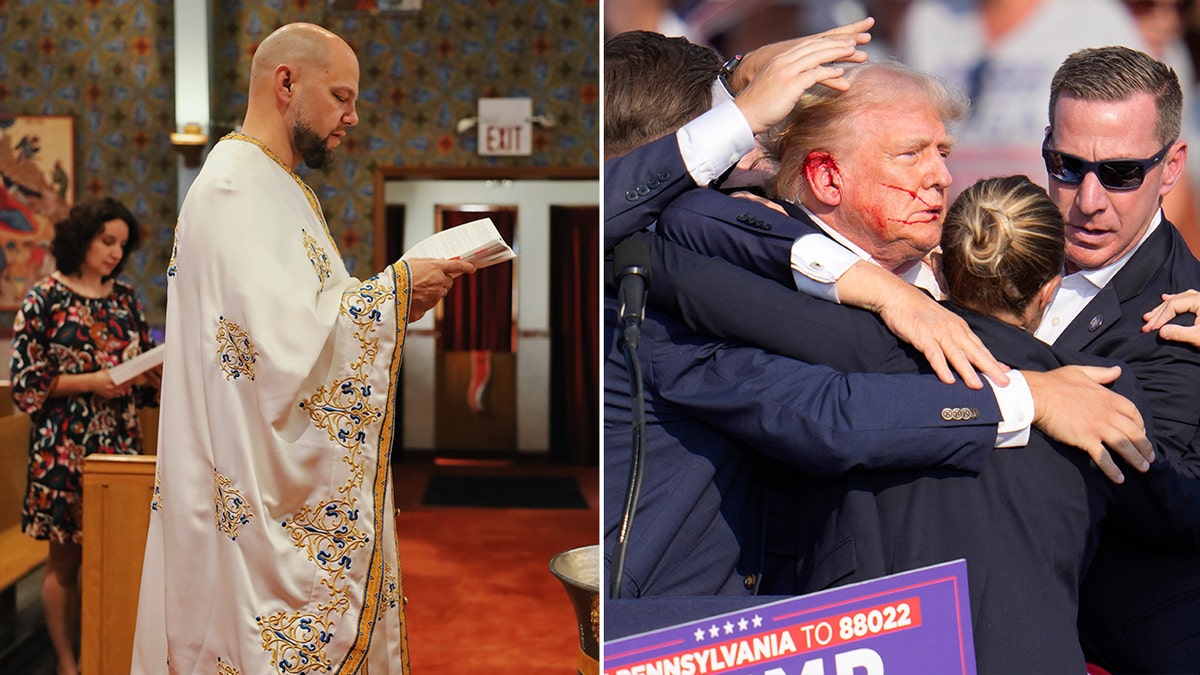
[{"x": 631, "y": 259}]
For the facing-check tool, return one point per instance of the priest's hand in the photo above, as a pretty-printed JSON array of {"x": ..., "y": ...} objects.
[{"x": 431, "y": 279}]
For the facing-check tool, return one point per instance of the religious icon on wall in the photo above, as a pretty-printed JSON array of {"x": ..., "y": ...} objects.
[{"x": 36, "y": 190}]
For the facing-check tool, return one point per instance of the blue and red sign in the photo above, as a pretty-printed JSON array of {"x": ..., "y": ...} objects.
[{"x": 914, "y": 622}]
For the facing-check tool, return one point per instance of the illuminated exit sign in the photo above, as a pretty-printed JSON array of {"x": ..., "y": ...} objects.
[{"x": 505, "y": 126}]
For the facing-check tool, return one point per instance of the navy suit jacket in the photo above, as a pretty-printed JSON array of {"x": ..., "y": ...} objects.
[
  {"x": 639, "y": 185},
  {"x": 716, "y": 413},
  {"x": 1111, "y": 326},
  {"x": 1027, "y": 525},
  {"x": 745, "y": 232},
  {"x": 724, "y": 271},
  {"x": 1140, "y": 606}
]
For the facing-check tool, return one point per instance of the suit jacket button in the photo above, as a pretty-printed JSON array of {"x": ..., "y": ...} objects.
[
  {"x": 652, "y": 183},
  {"x": 664, "y": 175},
  {"x": 750, "y": 581},
  {"x": 643, "y": 190},
  {"x": 742, "y": 218},
  {"x": 631, "y": 196},
  {"x": 947, "y": 414}
]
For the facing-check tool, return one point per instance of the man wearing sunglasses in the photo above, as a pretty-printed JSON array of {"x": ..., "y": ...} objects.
[{"x": 1112, "y": 152}]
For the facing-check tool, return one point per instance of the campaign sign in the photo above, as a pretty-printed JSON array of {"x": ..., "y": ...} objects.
[{"x": 914, "y": 622}]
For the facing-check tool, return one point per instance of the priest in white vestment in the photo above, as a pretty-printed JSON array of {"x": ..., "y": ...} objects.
[{"x": 272, "y": 544}]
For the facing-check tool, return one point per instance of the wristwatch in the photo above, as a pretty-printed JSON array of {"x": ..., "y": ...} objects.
[{"x": 727, "y": 70}]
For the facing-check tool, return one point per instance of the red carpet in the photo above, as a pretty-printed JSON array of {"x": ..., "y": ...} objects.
[{"x": 481, "y": 598}]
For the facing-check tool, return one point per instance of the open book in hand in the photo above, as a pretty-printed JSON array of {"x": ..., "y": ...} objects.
[
  {"x": 127, "y": 370},
  {"x": 477, "y": 242}
]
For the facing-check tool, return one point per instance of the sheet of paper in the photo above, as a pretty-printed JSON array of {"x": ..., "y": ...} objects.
[{"x": 127, "y": 370}]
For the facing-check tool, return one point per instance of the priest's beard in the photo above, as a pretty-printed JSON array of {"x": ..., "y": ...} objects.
[{"x": 314, "y": 149}]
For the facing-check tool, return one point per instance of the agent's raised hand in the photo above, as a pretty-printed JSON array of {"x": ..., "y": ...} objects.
[{"x": 776, "y": 76}]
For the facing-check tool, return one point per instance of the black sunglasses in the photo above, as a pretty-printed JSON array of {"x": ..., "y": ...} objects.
[{"x": 1114, "y": 174}]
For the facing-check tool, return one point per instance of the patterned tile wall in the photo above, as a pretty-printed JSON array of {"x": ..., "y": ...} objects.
[
  {"x": 110, "y": 64},
  {"x": 420, "y": 73}
]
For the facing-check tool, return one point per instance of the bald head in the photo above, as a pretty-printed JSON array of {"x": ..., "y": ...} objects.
[
  {"x": 298, "y": 45},
  {"x": 303, "y": 89}
]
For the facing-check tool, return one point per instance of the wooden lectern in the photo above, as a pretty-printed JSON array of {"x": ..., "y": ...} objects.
[{"x": 116, "y": 515}]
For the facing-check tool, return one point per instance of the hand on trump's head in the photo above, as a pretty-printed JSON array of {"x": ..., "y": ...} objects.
[{"x": 770, "y": 80}]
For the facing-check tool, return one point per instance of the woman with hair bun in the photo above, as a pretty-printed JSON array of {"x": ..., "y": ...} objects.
[{"x": 1002, "y": 250}]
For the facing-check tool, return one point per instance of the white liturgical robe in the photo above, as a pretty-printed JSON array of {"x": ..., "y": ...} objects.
[{"x": 272, "y": 543}]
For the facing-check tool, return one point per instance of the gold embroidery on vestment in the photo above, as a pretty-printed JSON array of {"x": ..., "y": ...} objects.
[
  {"x": 236, "y": 353},
  {"x": 230, "y": 510}
]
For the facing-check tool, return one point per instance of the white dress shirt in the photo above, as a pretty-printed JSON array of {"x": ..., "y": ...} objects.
[
  {"x": 714, "y": 141},
  {"x": 1078, "y": 289}
]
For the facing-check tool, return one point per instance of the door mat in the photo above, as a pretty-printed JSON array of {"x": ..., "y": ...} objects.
[{"x": 504, "y": 492}]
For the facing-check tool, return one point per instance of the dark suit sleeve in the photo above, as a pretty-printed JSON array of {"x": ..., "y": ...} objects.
[
  {"x": 1160, "y": 506},
  {"x": 1111, "y": 325},
  {"x": 639, "y": 185},
  {"x": 1168, "y": 372},
  {"x": 747, "y": 233},
  {"x": 820, "y": 420},
  {"x": 715, "y": 297}
]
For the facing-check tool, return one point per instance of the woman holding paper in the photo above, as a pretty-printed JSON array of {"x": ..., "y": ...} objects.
[{"x": 72, "y": 327}]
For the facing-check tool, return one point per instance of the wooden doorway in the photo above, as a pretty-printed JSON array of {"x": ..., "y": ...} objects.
[
  {"x": 406, "y": 201},
  {"x": 475, "y": 379}
]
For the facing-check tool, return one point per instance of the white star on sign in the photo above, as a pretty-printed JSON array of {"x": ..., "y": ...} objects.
[
  {"x": 714, "y": 631},
  {"x": 757, "y": 621},
  {"x": 699, "y": 635},
  {"x": 728, "y": 628},
  {"x": 743, "y": 623}
]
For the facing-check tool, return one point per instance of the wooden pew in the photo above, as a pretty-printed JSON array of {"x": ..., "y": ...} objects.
[
  {"x": 6, "y": 404},
  {"x": 116, "y": 515},
  {"x": 20, "y": 554}
]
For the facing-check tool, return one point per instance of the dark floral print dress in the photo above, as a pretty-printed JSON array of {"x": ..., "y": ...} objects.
[{"x": 58, "y": 332}]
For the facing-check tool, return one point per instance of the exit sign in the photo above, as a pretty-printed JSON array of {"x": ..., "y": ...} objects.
[{"x": 505, "y": 126}]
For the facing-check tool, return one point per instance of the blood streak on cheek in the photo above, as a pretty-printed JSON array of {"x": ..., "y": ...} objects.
[
  {"x": 915, "y": 197},
  {"x": 910, "y": 193}
]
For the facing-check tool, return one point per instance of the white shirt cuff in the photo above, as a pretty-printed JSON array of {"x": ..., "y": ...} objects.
[
  {"x": 714, "y": 141},
  {"x": 1016, "y": 407},
  {"x": 817, "y": 264}
]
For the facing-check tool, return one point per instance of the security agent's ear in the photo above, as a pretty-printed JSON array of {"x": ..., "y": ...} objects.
[
  {"x": 824, "y": 177},
  {"x": 1173, "y": 167}
]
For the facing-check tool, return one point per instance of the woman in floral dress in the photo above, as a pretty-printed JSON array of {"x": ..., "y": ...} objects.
[{"x": 73, "y": 326}]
